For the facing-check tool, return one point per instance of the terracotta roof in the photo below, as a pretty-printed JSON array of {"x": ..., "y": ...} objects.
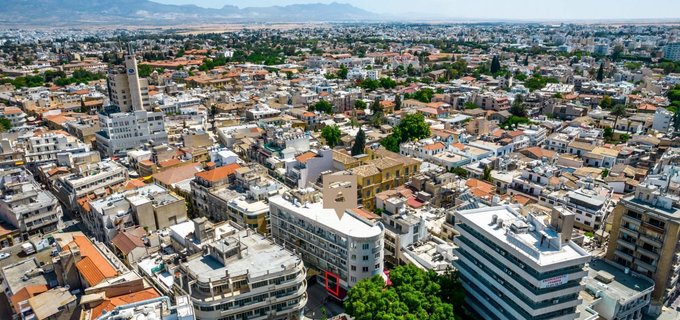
[
  {"x": 303, "y": 158},
  {"x": 111, "y": 303},
  {"x": 176, "y": 174},
  {"x": 134, "y": 184},
  {"x": 366, "y": 214},
  {"x": 414, "y": 203},
  {"x": 26, "y": 293},
  {"x": 169, "y": 163},
  {"x": 127, "y": 241},
  {"x": 434, "y": 146},
  {"x": 93, "y": 267},
  {"x": 218, "y": 174},
  {"x": 518, "y": 198}
]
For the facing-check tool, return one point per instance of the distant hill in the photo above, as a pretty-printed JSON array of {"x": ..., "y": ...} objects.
[{"x": 145, "y": 12}]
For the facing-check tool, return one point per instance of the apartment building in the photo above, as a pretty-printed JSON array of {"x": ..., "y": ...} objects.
[
  {"x": 10, "y": 154},
  {"x": 516, "y": 267},
  {"x": 214, "y": 196},
  {"x": 124, "y": 131},
  {"x": 45, "y": 147},
  {"x": 305, "y": 169},
  {"x": 382, "y": 170},
  {"x": 25, "y": 205},
  {"x": 89, "y": 179},
  {"x": 591, "y": 205},
  {"x": 644, "y": 238},
  {"x": 344, "y": 249},
  {"x": 241, "y": 275},
  {"x": 16, "y": 116}
]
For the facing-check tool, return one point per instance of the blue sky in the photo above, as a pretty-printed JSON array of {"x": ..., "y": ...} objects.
[{"x": 490, "y": 9}]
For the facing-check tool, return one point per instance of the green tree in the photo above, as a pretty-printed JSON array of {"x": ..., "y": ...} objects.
[
  {"x": 322, "y": 106},
  {"x": 600, "y": 72},
  {"x": 487, "y": 174},
  {"x": 397, "y": 102},
  {"x": 526, "y": 60},
  {"x": 608, "y": 133},
  {"x": 5, "y": 124},
  {"x": 360, "y": 105},
  {"x": 332, "y": 135},
  {"x": 342, "y": 73},
  {"x": 606, "y": 102},
  {"x": 605, "y": 173},
  {"x": 359, "y": 143},
  {"x": 392, "y": 142},
  {"x": 518, "y": 108},
  {"x": 413, "y": 127},
  {"x": 145, "y": 70},
  {"x": 414, "y": 294},
  {"x": 619, "y": 110},
  {"x": 495, "y": 65}
]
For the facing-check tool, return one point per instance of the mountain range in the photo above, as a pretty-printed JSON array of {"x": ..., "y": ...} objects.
[{"x": 145, "y": 12}]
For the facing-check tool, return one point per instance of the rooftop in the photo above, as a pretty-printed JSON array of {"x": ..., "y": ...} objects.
[
  {"x": 614, "y": 282},
  {"x": 530, "y": 238}
]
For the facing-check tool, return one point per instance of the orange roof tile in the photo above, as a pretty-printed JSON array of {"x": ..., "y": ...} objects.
[
  {"x": 94, "y": 267},
  {"x": 121, "y": 300},
  {"x": 26, "y": 293},
  {"x": 169, "y": 163},
  {"x": 89, "y": 271},
  {"x": 434, "y": 146},
  {"x": 218, "y": 174},
  {"x": 303, "y": 158},
  {"x": 134, "y": 184}
]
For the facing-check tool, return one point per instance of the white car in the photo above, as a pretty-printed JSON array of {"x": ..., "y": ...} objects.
[{"x": 4, "y": 255}]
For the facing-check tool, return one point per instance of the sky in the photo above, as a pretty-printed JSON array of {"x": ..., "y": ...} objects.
[{"x": 489, "y": 9}]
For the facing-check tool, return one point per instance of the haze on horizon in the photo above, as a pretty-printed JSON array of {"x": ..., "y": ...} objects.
[{"x": 533, "y": 10}]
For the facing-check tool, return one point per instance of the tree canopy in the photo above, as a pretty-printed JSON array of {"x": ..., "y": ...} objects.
[
  {"x": 411, "y": 127},
  {"x": 359, "y": 143},
  {"x": 414, "y": 294},
  {"x": 332, "y": 135},
  {"x": 322, "y": 106}
]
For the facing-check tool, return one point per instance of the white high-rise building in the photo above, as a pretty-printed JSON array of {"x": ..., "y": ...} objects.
[
  {"x": 345, "y": 250},
  {"x": 126, "y": 89},
  {"x": 519, "y": 268},
  {"x": 672, "y": 51}
]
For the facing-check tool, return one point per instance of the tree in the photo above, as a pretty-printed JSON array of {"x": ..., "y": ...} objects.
[
  {"x": 600, "y": 72},
  {"x": 342, "y": 73},
  {"x": 605, "y": 173},
  {"x": 413, "y": 127},
  {"x": 375, "y": 106},
  {"x": 397, "y": 102},
  {"x": 495, "y": 65},
  {"x": 526, "y": 60},
  {"x": 608, "y": 133},
  {"x": 359, "y": 143},
  {"x": 332, "y": 135},
  {"x": 322, "y": 106},
  {"x": 487, "y": 174},
  {"x": 5, "y": 124},
  {"x": 518, "y": 108},
  {"x": 392, "y": 142},
  {"x": 414, "y": 294},
  {"x": 619, "y": 110},
  {"x": 360, "y": 105},
  {"x": 606, "y": 102}
]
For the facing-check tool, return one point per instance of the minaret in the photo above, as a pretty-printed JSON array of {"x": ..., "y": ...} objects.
[{"x": 133, "y": 79}]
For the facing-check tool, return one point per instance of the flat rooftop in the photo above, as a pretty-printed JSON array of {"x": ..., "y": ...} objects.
[
  {"x": 14, "y": 275},
  {"x": 623, "y": 286},
  {"x": 534, "y": 245},
  {"x": 347, "y": 224},
  {"x": 261, "y": 257}
]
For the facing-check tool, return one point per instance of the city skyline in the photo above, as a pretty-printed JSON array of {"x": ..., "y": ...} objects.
[{"x": 528, "y": 10}]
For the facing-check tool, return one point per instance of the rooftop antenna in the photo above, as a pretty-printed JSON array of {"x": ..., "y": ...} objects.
[{"x": 131, "y": 51}]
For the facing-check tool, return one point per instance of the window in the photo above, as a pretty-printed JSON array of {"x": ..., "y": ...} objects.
[
  {"x": 364, "y": 269},
  {"x": 353, "y": 268},
  {"x": 364, "y": 246},
  {"x": 354, "y": 257},
  {"x": 365, "y": 258}
]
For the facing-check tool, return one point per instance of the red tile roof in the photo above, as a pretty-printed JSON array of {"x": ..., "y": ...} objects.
[
  {"x": 111, "y": 303},
  {"x": 26, "y": 293},
  {"x": 218, "y": 174},
  {"x": 93, "y": 267}
]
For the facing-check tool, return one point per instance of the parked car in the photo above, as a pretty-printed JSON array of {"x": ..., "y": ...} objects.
[{"x": 4, "y": 255}]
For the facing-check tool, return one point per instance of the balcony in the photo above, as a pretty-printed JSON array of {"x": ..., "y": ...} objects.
[
  {"x": 625, "y": 244},
  {"x": 651, "y": 240},
  {"x": 645, "y": 265},
  {"x": 648, "y": 253},
  {"x": 623, "y": 255}
]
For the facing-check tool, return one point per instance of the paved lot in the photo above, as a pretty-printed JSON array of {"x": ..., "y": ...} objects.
[{"x": 319, "y": 299}]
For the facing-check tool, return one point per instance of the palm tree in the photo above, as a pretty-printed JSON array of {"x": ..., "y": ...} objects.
[{"x": 618, "y": 110}]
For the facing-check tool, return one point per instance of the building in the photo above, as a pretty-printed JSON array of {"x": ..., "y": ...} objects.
[
  {"x": 156, "y": 208},
  {"x": 344, "y": 249},
  {"x": 124, "y": 131},
  {"x": 16, "y": 116},
  {"x": 89, "y": 179},
  {"x": 126, "y": 89},
  {"x": 644, "y": 236},
  {"x": 57, "y": 303},
  {"x": 662, "y": 120},
  {"x": 26, "y": 206},
  {"x": 154, "y": 308},
  {"x": 241, "y": 275},
  {"x": 515, "y": 267},
  {"x": 214, "y": 197},
  {"x": 672, "y": 51},
  {"x": 10, "y": 154},
  {"x": 614, "y": 293},
  {"x": 45, "y": 147}
]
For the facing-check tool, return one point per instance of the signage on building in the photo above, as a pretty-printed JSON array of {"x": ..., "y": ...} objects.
[{"x": 553, "y": 282}]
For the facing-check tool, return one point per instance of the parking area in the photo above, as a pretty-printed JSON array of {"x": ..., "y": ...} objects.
[{"x": 319, "y": 301}]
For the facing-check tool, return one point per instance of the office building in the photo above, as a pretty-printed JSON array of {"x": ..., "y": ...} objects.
[
  {"x": 124, "y": 131},
  {"x": 43, "y": 148},
  {"x": 672, "y": 51},
  {"x": 345, "y": 249},
  {"x": 89, "y": 179},
  {"x": 126, "y": 89},
  {"x": 516, "y": 267}
]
